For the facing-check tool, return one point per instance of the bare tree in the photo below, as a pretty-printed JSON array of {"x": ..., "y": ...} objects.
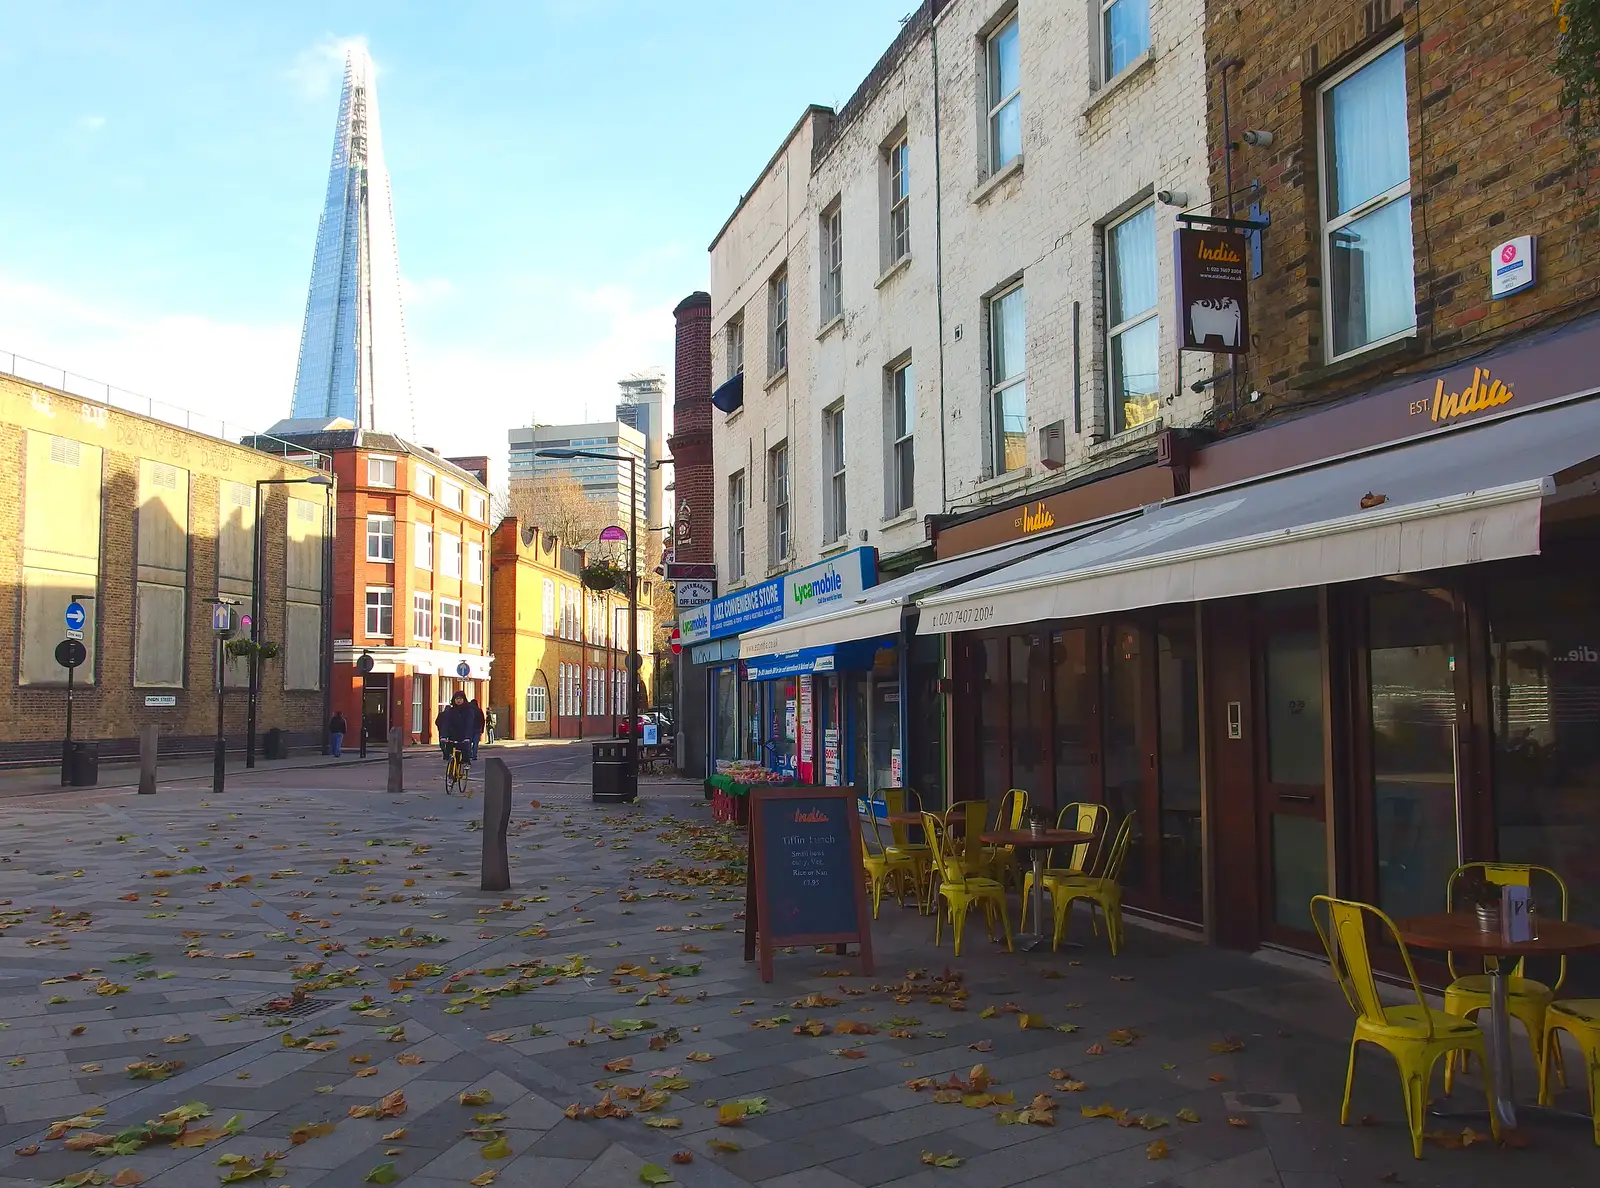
[{"x": 556, "y": 504}]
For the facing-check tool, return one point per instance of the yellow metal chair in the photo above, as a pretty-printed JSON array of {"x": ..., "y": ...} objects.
[
  {"x": 1085, "y": 817},
  {"x": 1002, "y": 860},
  {"x": 1103, "y": 891},
  {"x": 1579, "y": 1018},
  {"x": 1416, "y": 1036},
  {"x": 917, "y": 860},
  {"x": 1526, "y": 999},
  {"x": 959, "y": 891},
  {"x": 883, "y": 866}
]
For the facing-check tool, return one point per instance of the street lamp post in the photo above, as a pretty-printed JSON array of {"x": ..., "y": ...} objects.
[
  {"x": 633, "y": 595},
  {"x": 256, "y": 566}
]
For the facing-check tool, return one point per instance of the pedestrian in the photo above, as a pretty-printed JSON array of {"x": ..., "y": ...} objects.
[
  {"x": 477, "y": 724},
  {"x": 336, "y": 732},
  {"x": 491, "y": 722}
]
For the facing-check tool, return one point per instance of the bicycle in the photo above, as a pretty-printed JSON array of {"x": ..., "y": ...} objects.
[{"x": 456, "y": 770}]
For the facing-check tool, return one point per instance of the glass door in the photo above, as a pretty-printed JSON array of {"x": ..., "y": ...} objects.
[
  {"x": 1411, "y": 662},
  {"x": 1292, "y": 804},
  {"x": 1076, "y": 735},
  {"x": 1178, "y": 787},
  {"x": 1028, "y": 684}
]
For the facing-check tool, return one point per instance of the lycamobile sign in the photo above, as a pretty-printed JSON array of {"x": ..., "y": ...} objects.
[
  {"x": 824, "y": 589},
  {"x": 825, "y": 585}
]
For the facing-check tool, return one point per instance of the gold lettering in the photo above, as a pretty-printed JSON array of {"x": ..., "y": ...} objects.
[{"x": 1484, "y": 392}]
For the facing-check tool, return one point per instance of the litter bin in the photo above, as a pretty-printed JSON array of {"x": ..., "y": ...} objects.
[
  {"x": 275, "y": 744},
  {"x": 612, "y": 780},
  {"x": 85, "y": 771}
]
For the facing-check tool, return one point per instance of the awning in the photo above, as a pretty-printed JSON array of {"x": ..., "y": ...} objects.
[
  {"x": 877, "y": 610},
  {"x": 856, "y": 655},
  {"x": 1457, "y": 497},
  {"x": 729, "y": 396}
]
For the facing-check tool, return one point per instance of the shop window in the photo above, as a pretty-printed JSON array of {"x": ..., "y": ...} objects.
[{"x": 1366, "y": 204}]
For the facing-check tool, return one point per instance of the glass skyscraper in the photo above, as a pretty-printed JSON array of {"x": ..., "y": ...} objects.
[{"x": 353, "y": 345}]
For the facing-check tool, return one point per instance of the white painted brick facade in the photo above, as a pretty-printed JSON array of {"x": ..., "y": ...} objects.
[{"x": 1090, "y": 153}]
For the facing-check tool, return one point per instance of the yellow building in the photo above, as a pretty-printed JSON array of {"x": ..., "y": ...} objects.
[
  {"x": 146, "y": 525},
  {"x": 559, "y": 649}
]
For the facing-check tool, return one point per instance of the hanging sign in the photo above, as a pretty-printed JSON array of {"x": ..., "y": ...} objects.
[
  {"x": 804, "y": 883},
  {"x": 612, "y": 534},
  {"x": 1212, "y": 290}
]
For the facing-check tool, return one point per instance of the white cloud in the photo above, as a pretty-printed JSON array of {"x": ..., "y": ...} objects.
[
  {"x": 318, "y": 70},
  {"x": 91, "y": 123},
  {"x": 427, "y": 290}
]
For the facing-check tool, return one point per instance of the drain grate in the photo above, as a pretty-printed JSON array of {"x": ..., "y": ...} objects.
[{"x": 287, "y": 1008}]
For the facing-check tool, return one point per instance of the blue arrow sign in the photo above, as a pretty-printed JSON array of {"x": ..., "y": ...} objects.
[
  {"x": 75, "y": 616},
  {"x": 463, "y": 669}
]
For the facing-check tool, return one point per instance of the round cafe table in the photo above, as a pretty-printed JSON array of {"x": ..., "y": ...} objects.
[
  {"x": 1458, "y": 933},
  {"x": 1037, "y": 843}
]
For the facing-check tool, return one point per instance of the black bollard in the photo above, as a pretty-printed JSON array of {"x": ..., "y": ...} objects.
[
  {"x": 397, "y": 761},
  {"x": 147, "y": 759},
  {"x": 496, "y": 824}
]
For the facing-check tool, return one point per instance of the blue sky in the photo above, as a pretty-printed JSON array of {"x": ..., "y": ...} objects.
[{"x": 559, "y": 167}]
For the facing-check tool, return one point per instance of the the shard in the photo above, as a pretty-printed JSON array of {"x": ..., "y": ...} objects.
[{"x": 353, "y": 346}]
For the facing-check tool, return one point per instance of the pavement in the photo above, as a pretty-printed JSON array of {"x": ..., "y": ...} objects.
[{"x": 305, "y": 971}]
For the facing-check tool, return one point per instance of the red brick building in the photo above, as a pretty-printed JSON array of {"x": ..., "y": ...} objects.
[
  {"x": 410, "y": 584},
  {"x": 694, "y": 495}
]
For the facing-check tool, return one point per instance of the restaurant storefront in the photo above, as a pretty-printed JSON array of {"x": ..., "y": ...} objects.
[{"x": 1350, "y": 674}]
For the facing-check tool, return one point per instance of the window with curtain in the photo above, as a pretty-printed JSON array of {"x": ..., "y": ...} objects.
[
  {"x": 1134, "y": 338},
  {"x": 778, "y": 496},
  {"x": 832, "y": 259},
  {"x": 736, "y": 527},
  {"x": 778, "y": 322},
  {"x": 1124, "y": 34},
  {"x": 899, "y": 202},
  {"x": 1366, "y": 205},
  {"x": 1008, "y": 380},
  {"x": 902, "y": 441},
  {"x": 1004, "y": 96},
  {"x": 837, "y": 509}
]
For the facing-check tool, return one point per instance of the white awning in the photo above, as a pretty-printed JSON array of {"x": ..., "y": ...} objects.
[
  {"x": 1457, "y": 497},
  {"x": 877, "y": 610}
]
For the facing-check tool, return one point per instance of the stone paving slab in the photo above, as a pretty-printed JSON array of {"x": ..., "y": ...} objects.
[{"x": 332, "y": 870}]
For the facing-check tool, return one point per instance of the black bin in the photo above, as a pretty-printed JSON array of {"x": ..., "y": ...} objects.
[
  {"x": 275, "y": 744},
  {"x": 85, "y": 769},
  {"x": 612, "y": 779}
]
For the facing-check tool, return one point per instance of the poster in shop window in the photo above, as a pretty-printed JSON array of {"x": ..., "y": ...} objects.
[
  {"x": 830, "y": 757},
  {"x": 803, "y": 743}
]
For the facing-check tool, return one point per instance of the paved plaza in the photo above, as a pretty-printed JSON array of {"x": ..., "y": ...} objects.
[{"x": 299, "y": 983}]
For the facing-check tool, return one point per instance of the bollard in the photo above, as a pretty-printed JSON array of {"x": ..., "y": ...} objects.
[
  {"x": 397, "y": 761},
  {"x": 496, "y": 823},
  {"x": 147, "y": 759}
]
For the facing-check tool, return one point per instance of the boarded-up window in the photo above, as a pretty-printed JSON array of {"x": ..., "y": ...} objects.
[
  {"x": 236, "y": 515},
  {"x": 60, "y": 552},
  {"x": 163, "y": 534},
  {"x": 158, "y": 645},
  {"x": 302, "y": 647},
  {"x": 305, "y": 551}
]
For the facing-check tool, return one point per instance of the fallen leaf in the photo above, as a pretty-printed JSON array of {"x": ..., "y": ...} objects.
[
  {"x": 311, "y": 1130},
  {"x": 723, "y": 1146},
  {"x": 1095, "y": 1050},
  {"x": 851, "y": 1053},
  {"x": 475, "y": 1097},
  {"x": 25, "y": 1152},
  {"x": 384, "y": 1173},
  {"x": 946, "y": 1160},
  {"x": 664, "y": 1123},
  {"x": 1157, "y": 1150},
  {"x": 126, "y": 1178},
  {"x": 395, "y": 1136},
  {"x": 621, "y": 1064},
  {"x": 1230, "y": 1044},
  {"x": 731, "y": 1114},
  {"x": 984, "y": 1045},
  {"x": 1188, "y": 1115},
  {"x": 1239, "y": 1123},
  {"x": 683, "y": 1157},
  {"x": 652, "y": 1173},
  {"x": 499, "y": 1149},
  {"x": 484, "y": 1179},
  {"x": 88, "y": 1141}
]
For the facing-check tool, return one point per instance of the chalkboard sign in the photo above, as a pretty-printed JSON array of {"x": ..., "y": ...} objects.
[{"x": 804, "y": 881}]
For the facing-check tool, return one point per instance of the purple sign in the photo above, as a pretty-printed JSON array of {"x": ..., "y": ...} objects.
[{"x": 607, "y": 535}]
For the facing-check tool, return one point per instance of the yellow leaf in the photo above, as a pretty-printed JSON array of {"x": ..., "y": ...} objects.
[
  {"x": 729, "y": 1114},
  {"x": 947, "y": 1160},
  {"x": 126, "y": 1178},
  {"x": 1157, "y": 1150},
  {"x": 1025, "y": 1021},
  {"x": 395, "y": 1136},
  {"x": 310, "y": 1130},
  {"x": 499, "y": 1149},
  {"x": 484, "y": 1179}
]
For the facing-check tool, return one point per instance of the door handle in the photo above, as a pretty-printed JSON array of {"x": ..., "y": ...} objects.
[{"x": 1298, "y": 797}]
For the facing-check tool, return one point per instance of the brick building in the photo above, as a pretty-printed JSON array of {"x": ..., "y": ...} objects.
[
  {"x": 696, "y": 510},
  {"x": 145, "y": 524},
  {"x": 410, "y": 585},
  {"x": 560, "y": 650}
]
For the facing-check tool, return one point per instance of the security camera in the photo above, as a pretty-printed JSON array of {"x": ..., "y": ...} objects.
[
  {"x": 1172, "y": 197},
  {"x": 1258, "y": 139}
]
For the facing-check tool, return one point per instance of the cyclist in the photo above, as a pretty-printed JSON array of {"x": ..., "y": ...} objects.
[{"x": 456, "y": 728}]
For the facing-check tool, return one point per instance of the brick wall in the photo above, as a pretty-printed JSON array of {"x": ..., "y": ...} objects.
[
  {"x": 693, "y": 478},
  {"x": 1490, "y": 160},
  {"x": 114, "y": 710}
]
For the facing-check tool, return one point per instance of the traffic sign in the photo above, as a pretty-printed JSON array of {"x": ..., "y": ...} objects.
[
  {"x": 75, "y": 617},
  {"x": 364, "y": 663},
  {"x": 70, "y": 653},
  {"x": 463, "y": 669},
  {"x": 221, "y": 617}
]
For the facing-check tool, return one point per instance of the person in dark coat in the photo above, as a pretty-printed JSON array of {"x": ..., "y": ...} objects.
[
  {"x": 456, "y": 726},
  {"x": 477, "y": 724},
  {"x": 336, "y": 732}
]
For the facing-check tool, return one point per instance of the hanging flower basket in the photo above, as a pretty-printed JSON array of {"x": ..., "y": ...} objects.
[
  {"x": 603, "y": 575},
  {"x": 244, "y": 649}
]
